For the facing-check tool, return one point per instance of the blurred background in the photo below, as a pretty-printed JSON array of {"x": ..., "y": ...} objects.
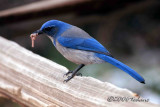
[{"x": 129, "y": 29}]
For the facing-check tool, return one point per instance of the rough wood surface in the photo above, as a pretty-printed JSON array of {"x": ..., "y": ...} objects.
[{"x": 32, "y": 80}]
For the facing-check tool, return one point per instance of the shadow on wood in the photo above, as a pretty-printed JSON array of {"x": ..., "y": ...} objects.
[{"x": 32, "y": 80}]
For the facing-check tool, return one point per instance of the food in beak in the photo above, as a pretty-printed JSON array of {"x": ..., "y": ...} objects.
[{"x": 33, "y": 38}]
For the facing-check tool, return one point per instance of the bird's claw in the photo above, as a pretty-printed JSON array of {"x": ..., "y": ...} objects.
[
  {"x": 69, "y": 72},
  {"x": 68, "y": 78},
  {"x": 71, "y": 76},
  {"x": 66, "y": 74}
]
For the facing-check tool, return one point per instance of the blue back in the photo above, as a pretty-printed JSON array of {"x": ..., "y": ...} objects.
[{"x": 76, "y": 38}]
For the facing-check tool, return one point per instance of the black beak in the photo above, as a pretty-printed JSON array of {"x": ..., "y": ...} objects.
[{"x": 38, "y": 32}]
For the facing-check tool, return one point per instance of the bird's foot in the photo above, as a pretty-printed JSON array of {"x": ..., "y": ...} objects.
[
  {"x": 68, "y": 78},
  {"x": 66, "y": 74},
  {"x": 70, "y": 72}
]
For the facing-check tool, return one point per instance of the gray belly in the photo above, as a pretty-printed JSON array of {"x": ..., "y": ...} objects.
[{"x": 78, "y": 56}]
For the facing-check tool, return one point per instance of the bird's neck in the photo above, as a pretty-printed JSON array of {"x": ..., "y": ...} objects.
[{"x": 61, "y": 29}]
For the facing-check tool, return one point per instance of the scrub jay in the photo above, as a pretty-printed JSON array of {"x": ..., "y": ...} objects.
[{"x": 79, "y": 47}]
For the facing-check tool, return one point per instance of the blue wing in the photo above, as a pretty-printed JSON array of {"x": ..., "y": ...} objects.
[
  {"x": 87, "y": 44},
  {"x": 90, "y": 44}
]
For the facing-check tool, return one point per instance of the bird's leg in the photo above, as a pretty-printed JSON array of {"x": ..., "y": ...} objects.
[
  {"x": 73, "y": 72},
  {"x": 69, "y": 72}
]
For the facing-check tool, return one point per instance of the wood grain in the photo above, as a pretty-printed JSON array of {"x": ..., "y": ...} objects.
[{"x": 34, "y": 81}]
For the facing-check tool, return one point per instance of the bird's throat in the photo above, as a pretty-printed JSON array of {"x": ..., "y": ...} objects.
[{"x": 51, "y": 38}]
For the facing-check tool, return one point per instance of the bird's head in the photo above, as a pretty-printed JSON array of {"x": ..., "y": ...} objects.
[{"x": 53, "y": 28}]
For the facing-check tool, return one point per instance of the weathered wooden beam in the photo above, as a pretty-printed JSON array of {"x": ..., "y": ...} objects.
[
  {"x": 45, "y": 8},
  {"x": 39, "y": 6},
  {"x": 39, "y": 9},
  {"x": 32, "y": 80}
]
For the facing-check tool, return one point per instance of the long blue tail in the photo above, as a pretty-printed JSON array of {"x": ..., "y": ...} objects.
[{"x": 121, "y": 66}]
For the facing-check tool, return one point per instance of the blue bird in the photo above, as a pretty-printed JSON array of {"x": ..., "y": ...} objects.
[{"x": 79, "y": 47}]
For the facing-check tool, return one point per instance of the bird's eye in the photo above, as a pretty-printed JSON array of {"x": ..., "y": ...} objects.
[{"x": 48, "y": 28}]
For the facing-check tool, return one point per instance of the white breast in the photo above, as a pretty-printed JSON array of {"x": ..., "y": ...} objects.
[{"x": 78, "y": 56}]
